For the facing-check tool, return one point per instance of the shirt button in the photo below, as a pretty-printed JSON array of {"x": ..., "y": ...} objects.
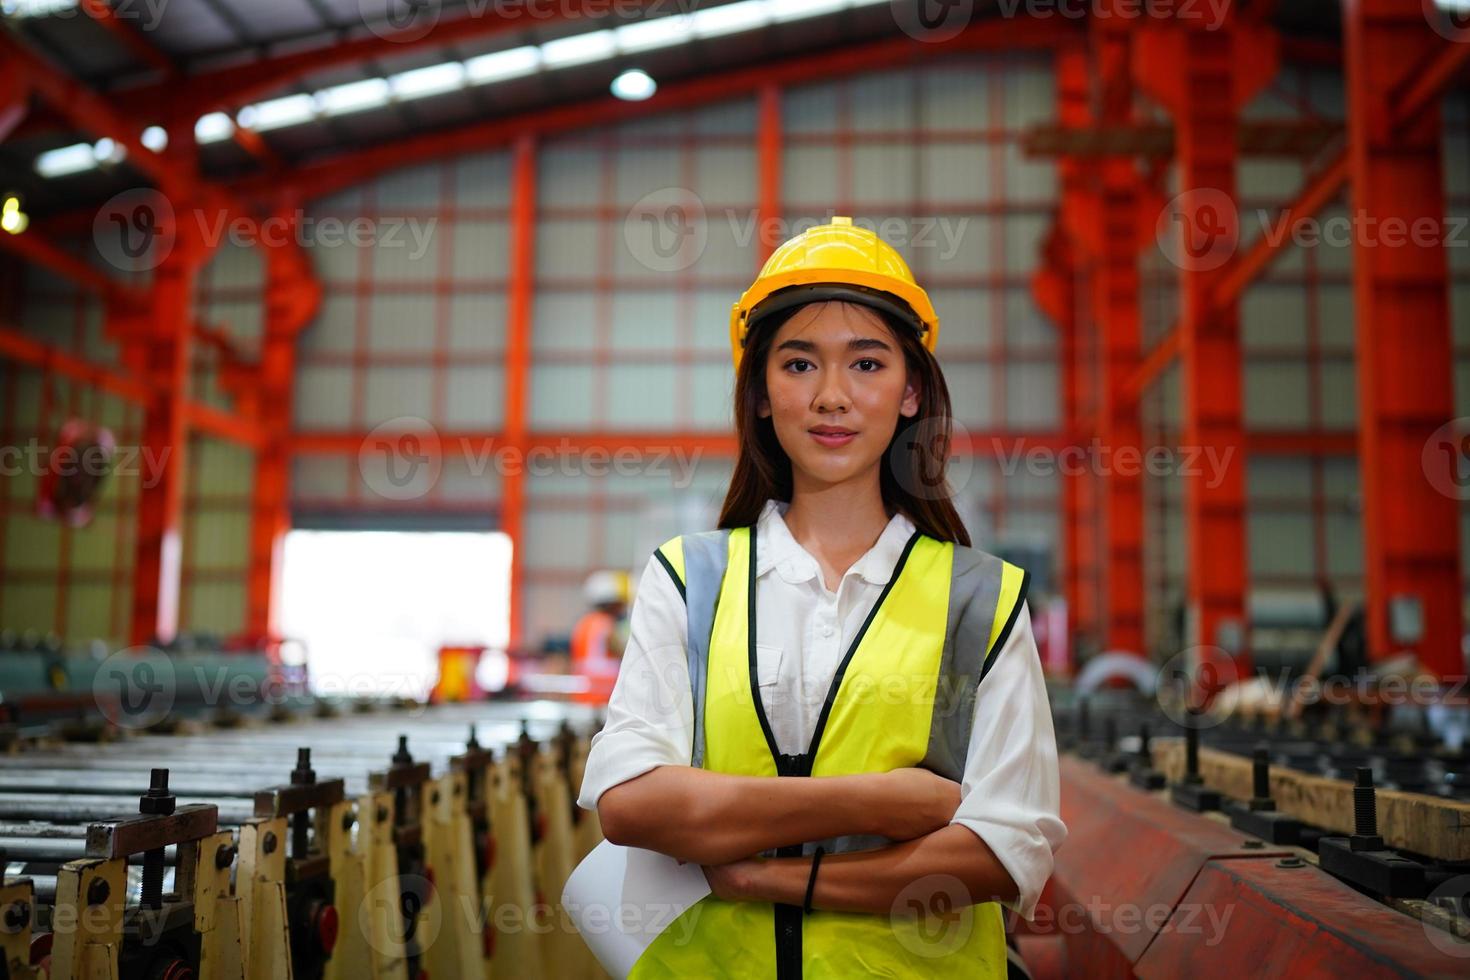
[{"x": 826, "y": 631}]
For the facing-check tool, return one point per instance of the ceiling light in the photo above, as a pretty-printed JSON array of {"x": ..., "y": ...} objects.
[
  {"x": 370, "y": 93},
  {"x": 155, "y": 138},
  {"x": 214, "y": 127},
  {"x": 634, "y": 85},
  {"x": 501, "y": 65},
  {"x": 579, "y": 49},
  {"x": 66, "y": 160},
  {"x": 428, "y": 81}
]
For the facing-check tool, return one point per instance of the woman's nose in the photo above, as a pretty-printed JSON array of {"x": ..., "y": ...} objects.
[{"x": 831, "y": 396}]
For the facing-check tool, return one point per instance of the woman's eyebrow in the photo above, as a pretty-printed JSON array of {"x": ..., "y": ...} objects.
[{"x": 857, "y": 343}]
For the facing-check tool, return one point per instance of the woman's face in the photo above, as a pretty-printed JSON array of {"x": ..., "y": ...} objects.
[{"x": 836, "y": 384}]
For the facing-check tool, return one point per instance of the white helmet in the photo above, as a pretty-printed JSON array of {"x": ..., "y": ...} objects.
[{"x": 604, "y": 587}]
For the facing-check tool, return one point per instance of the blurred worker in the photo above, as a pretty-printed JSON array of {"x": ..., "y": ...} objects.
[{"x": 599, "y": 636}]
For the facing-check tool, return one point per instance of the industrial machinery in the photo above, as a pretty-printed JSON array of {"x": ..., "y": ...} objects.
[
  {"x": 1326, "y": 845},
  {"x": 384, "y": 841}
]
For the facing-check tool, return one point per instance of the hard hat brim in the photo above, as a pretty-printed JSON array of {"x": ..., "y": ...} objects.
[{"x": 791, "y": 297}]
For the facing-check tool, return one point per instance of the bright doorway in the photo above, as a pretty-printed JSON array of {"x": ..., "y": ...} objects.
[{"x": 373, "y": 607}]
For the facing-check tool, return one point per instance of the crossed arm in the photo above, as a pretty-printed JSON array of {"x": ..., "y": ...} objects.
[{"x": 720, "y": 821}]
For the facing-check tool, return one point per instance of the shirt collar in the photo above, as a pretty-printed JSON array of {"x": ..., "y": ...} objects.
[{"x": 776, "y": 548}]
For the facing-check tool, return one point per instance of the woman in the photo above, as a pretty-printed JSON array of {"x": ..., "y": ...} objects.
[{"x": 837, "y": 630}]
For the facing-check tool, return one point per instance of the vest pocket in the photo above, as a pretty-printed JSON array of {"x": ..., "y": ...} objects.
[{"x": 768, "y": 664}]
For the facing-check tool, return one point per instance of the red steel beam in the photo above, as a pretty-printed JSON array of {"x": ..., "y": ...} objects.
[
  {"x": 15, "y": 98},
  {"x": 129, "y": 36},
  {"x": 1405, "y": 354},
  {"x": 1418, "y": 90},
  {"x": 96, "y": 115},
  {"x": 30, "y": 246},
  {"x": 1055, "y": 289},
  {"x": 1203, "y": 77},
  {"x": 292, "y": 297},
  {"x": 768, "y": 152},
  {"x": 344, "y": 170},
  {"x": 164, "y": 352},
  {"x": 520, "y": 296},
  {"x": 17, "y": 346},
  {"x": 1118, "y": 317}
]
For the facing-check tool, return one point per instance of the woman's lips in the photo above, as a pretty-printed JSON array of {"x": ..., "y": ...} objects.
[{"x": 832, "y": 438}]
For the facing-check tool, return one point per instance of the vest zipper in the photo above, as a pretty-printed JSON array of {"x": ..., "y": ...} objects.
[{"x": 788, "y": 917}]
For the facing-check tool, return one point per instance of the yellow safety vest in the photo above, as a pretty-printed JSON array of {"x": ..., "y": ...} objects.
[{"x": 903, "y": 695}]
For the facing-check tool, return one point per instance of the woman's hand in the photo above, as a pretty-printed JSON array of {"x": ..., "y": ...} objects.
[
  {"x": 915, "y": 802},
  {"x": 731, "y": 882}
]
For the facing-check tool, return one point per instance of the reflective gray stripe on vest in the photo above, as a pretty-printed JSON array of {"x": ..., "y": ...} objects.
[
  {"x": 705, "y": 557},
  {"x": 974, "y": 589}
]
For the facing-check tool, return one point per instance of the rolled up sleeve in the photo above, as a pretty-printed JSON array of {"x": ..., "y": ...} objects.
[
  {"x": 1011, "y": 792},
  {"x": 650, "y": 713}
]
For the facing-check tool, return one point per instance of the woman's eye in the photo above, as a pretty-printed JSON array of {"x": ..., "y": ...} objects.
[
  {"x": 869, "y": 364},
  {"x": 798, "y": 365}
]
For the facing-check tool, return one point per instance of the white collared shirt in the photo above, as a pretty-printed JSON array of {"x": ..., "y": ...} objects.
[{"x": 1011, "y": 795}]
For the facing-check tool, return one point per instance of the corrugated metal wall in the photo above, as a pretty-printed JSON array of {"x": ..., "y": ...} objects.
[{"x": 627, "y": 336}]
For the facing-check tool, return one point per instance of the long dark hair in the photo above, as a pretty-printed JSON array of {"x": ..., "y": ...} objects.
[{"x": 912, "y": 469}]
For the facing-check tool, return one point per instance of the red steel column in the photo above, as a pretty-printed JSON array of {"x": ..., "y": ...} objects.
[
  {"x": 1116, "y": 302},
  {"x": 768, "y": 152},
  {"x": 163, "y": 354},
  {"x": 1054, "y": 289},
  {"x": 292, "y": 295},
  {"x": 1405, "y": 363},
  {"x": 518, "y": 366},
  {"x": 1203, "y": 76}
]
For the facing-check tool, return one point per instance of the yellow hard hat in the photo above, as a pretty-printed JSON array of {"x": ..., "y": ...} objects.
[{"x": 834, "y": 262}]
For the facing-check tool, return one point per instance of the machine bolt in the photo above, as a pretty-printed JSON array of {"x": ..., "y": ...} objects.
[
  {"x": 1291, "y": 862},
  {"x": 1260, "y": 773},
  {"x": 158, "y": 801},
  {"x": 402, "y": 756},
  {"x": 348, "y": 819},
  {"x": 1191, "y": 750},
  {"x": 225, "y": 856},
  {"x": 302, "y": 775},
  {"x": 268, "y": 844},
  {"x": 1365, "y": 804}
]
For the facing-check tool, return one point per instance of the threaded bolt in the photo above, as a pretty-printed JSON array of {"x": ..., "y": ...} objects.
[
  {"x": 1365, "y": 803},
  {"x": 1260, "y": 774},
  {"x": 1144, "y": 755},
  {"x": 157, "y": 801},
  {"x": 302, "y": 775},
  {"x": 1191, "y": 752}
]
